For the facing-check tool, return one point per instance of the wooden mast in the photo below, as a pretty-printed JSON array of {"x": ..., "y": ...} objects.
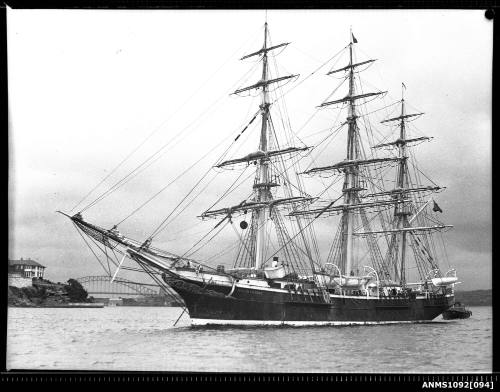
[
  {"x": 262, "y": 171},
  {"x": 349, "y": 166},
  {"x": 401, "y": 209},
  {"x": 350, "y": 182}
]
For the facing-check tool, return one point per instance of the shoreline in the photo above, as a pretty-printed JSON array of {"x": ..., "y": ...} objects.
[{"x": 66, "y": 305}]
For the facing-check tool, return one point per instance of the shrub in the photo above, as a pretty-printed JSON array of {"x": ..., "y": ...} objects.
[{"x": 75, "y": 291}]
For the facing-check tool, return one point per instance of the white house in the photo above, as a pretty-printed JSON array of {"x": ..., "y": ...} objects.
[{"x": 26, "y": 268}]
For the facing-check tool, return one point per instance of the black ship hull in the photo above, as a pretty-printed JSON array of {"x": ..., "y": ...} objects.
[{"x": 212, "y": 305}]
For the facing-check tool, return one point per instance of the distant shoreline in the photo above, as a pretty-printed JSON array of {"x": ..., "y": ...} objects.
[
  {"x": 474, "y": 297},
  {"x": 66, "y": 305},
  {"x": 46, "y": 294}
]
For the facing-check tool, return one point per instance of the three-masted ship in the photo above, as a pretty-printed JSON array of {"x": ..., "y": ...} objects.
[{"x": 382, "y": 265}]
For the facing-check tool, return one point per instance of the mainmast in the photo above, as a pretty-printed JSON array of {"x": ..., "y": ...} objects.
[
  {"x": 350, "y": 168},
  {"x": 350, "y": 187},
  {"x": 351, "y": 165}
]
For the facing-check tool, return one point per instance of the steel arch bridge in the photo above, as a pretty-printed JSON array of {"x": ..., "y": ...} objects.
[{"x": 103, "y": 285}]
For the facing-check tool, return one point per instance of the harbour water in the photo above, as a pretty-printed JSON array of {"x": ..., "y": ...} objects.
[{"x": 143, "y": 338}]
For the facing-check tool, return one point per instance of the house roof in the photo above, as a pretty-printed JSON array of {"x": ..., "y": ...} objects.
[{"x": 29, "y": 262}]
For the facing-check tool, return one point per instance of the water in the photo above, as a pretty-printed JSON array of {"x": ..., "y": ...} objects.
[{"x": 140, "y": 338}]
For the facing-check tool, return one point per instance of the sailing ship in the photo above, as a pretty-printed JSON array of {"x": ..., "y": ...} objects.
[{"x": 382, "y": 265}]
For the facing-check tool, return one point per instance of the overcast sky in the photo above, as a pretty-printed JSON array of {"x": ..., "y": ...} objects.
[{"x": 86, "y": 87}]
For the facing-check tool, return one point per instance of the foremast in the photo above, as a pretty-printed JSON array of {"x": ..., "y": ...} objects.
[
  {"x": 262, "y": 184},
  {"x": 263, "y": 204}
]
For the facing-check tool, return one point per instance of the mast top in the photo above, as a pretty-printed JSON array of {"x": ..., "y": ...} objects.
[
  {"x": 265, "y": 49},
  {"x": 353, "y": 38},
  {"x": 265, "y": 32}
]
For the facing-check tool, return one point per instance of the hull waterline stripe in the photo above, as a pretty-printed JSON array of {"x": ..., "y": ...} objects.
[{"x": 206, "y": 322}]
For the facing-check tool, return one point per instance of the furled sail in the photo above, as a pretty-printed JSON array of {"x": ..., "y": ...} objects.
[
  {"x": 265, "y": 83},
  {"x": 350, "y": 163},
  {"x": 253, "y": 205},
  {"x": 351, "y": 98},
  {"x": 258, "y": 155},
  {"x": 405, "y": 229},
  {"x": 402, "y": 117},
  {"x": 400, "y": 142},
  {"x": 349, "y": 67},
  {"x": 347, "y": 207},
  {"x": 398, "y": 191},
  {"x": 264, "y": 50}
]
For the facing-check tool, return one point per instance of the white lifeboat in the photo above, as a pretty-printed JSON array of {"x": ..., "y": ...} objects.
[
  {"x": 351, "y": 282},
  {"x": 446, "y": 281}
]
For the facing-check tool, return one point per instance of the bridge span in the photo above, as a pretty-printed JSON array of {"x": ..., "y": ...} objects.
[{"x": 102, "y": 285}]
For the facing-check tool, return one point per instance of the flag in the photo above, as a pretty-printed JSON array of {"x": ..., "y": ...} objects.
[
  {"x": 354, "y": 39},
  {"x": 436, "y": 208}
]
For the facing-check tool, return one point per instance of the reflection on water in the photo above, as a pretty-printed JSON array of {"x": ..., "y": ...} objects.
[{"x": 139, "y": 338}]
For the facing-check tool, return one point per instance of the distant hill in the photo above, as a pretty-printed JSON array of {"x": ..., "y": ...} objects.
[{"x": 474, "y": 297}]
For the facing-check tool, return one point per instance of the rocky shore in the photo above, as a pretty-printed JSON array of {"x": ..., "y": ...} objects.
[{"x": 44, "y": 293}]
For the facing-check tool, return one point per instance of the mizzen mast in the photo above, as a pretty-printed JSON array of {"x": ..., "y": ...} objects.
[
  {"x": 403, "y": 213},
  {"x": 401, "y": 210}
]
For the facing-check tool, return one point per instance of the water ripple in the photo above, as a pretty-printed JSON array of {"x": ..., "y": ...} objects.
[{"x": 128, "y": 338}]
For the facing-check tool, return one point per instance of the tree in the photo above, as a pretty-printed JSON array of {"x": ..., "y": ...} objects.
[{"x": 75, "y": 291}]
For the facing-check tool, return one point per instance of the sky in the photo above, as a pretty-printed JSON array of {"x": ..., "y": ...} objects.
[{"x": 88, "y": 87}]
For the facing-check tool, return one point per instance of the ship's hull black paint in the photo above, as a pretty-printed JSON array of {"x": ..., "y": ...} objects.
[{"x": 212, "y": 303}]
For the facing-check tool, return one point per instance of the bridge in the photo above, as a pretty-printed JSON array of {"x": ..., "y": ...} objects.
[{"x": 120, "y": 286}]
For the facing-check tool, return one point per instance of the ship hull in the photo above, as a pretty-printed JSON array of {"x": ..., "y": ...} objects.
[{"x": 211, "y": 305}]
